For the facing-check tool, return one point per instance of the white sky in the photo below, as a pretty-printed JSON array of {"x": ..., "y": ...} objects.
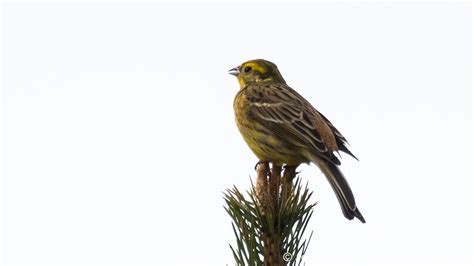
[{"x": 119, "y": 138}]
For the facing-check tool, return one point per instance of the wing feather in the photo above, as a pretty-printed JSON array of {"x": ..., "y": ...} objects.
[{"x": 290, "y": 116}]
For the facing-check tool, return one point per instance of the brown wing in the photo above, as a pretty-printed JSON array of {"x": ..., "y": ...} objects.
[
  {"x": 293, "y": 118},
  {"x": 340, "y": 140}
]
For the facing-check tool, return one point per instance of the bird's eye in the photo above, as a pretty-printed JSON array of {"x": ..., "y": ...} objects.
[{"x": 247, "y": 69}]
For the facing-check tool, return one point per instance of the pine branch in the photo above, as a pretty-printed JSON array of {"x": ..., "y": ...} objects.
[{"x": 270, "y": 221}]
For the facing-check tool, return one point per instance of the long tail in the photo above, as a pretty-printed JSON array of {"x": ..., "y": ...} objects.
[{"x": 341, "y": 188}]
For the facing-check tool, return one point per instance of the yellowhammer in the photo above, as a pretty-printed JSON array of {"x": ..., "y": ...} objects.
[{"x": 282, "y": 127}]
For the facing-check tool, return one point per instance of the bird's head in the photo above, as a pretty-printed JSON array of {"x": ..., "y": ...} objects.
[{"x": 255, "y": 71}]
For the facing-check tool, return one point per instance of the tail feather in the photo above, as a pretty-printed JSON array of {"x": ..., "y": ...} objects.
[{"x": 341, "y": 189}]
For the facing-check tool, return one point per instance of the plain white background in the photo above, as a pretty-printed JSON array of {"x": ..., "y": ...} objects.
[{"x": 119, "y": 139}]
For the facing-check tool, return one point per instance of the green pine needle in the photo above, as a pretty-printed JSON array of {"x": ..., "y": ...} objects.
[{"x": 249, "y": 222}]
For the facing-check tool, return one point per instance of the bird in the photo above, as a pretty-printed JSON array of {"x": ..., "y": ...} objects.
[{"x": 282, "y": 127}]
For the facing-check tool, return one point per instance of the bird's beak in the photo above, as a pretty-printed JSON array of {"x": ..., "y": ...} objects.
[{"x": 234, "y": 71}]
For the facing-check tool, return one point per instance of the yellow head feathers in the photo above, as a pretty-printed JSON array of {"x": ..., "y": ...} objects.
[{"x": 255, "y": 71}]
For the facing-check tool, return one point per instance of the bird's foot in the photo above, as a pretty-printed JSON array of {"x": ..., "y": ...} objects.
[
  {"x": 290, "y": 172},
  {"x": 266, "y": 163},
  {"x": 260, "y": 162}
]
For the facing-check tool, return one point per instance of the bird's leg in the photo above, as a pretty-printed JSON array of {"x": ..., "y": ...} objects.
[
  {"x": 287, "y": 181},
  {"x": 290, "y": 172}
]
